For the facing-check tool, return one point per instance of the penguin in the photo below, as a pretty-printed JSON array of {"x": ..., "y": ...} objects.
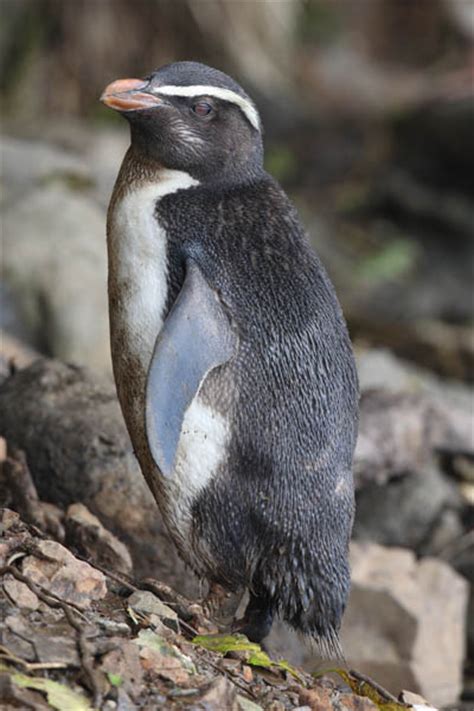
[{"x": 231, "y": 356}]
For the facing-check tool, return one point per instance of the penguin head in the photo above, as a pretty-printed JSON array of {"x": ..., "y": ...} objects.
[{"x": 188, "y": 116}]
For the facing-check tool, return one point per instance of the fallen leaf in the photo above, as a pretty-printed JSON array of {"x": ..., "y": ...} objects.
[
  {"x": 115, "y": 679},
  {"x": 239, "y": 643},
  {"x": 59, "y": 696}
]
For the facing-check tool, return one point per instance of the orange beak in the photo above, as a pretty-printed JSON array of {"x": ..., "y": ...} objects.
[{"x": 127, "y": 95}]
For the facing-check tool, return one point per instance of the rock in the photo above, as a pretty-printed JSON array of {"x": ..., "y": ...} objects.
[
  {"x": 29, "y": 163},
  {"x": 397, "y": 434},
  {"x": 123, "y": 660},
  {"x": 62, "y": 574},
  {"x": 408, "y": 697},
  {"x": 379, "y": 368},
  {"x": 442, "y": 348},
  {"x": 11, "y": 322},
  {"x": 246, "y": 705},
  {"x": 86, "y": 533},
  {"x": 14, "y": 697},
  {"x": 144, "y": 601},
  {"x": 400, "y": 513},
  {"x": 54, "y": 263},
  {"x": 69, "y": 424},
  {"x": 324, "y": 699},
  {"x": 407, "y": 417},
  {"x": 163, "y": 659},
  {"x": 401, "y": 437},
  {"x": 18, "y": 486},
  {"x": 405, "y": 622},
  {"x": 13, "y": 534},
  {"x": 153, "y": 662},
  {"x": 221, "y": 694},
  {"x": 52, "y": 641},
  {"x": 20, "y": 593},
  {"x": 14, "y": 354}
]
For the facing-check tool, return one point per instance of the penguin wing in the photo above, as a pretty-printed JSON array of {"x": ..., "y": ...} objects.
[{"x": 196, "y": 337}]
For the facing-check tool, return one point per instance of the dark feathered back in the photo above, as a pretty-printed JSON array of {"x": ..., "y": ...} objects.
[{"x": 280, "y": 515}]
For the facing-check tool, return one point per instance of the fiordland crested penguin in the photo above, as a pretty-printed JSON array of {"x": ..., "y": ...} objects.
[{"x": 231, "y": 356}]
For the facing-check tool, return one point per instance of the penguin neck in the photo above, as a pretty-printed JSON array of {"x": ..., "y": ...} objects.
[{"x": 138, "y": 169}]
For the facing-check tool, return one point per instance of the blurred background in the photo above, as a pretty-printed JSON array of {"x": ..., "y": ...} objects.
[{"x": 368, "y": 114}]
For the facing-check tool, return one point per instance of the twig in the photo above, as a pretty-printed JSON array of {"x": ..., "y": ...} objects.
[
  {"x": 29, "y": 666},
  {"x": 52, "y": 601},
  {"x": 367, "y": 680}
]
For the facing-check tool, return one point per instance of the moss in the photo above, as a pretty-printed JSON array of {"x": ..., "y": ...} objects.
[{"x": 392, "y": 261}]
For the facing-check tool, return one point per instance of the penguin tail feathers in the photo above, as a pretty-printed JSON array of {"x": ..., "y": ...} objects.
[{"x": 328, "y": 646}]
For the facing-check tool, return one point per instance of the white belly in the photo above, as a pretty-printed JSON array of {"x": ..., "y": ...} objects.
[
  {"x": 138, "y": 272},
  {"x": 138, "y": 263}
]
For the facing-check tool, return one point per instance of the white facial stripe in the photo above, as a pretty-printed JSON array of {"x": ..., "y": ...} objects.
[{"x": 226, "y": 94}]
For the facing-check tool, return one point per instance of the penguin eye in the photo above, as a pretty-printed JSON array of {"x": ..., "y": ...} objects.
[{"x": 202, "y": 108}]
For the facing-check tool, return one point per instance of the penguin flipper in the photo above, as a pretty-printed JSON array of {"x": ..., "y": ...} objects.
[{"x": 196, "y": 337}]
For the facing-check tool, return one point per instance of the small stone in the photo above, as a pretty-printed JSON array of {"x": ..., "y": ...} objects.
[
  {"x": 405, "y": 622},
  {"x": 467, "y": 492},
  {"x": 144, "y": 601},
  {"x": 221, "y": 694},
  {"x": 353, "y": 702},
  {"x": 317, "y": 699},
  {"x": 124, "y": 661},
  {"x": 168, "y": 667},
  {"x": 85, "y": 531},
  {"x": 161, "y": 626},
  {"x": 408, "y": 697},
  {"x": 247, "y": 674},
  {"x": 63, "y": 575},
  {"x": 55, "y": 643},
  {"x": 20, "y": 593},
  {"x": 8, "y": 519},
  {"x": 276, "y": 706},
  {"x": 5, "y": 549},
  {"x": 246, "y": 705}
]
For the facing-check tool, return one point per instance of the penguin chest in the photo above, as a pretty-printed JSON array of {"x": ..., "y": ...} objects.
[
  {"x": 138, "y": 285},
  {"x": 138, "y": 272},
  {"x": 138, "y": 291}
]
